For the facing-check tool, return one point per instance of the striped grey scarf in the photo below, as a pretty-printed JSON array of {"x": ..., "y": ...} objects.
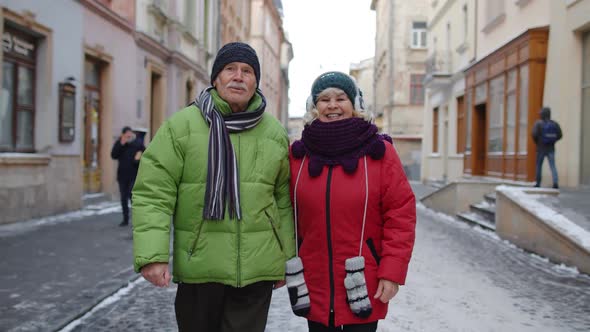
[{"x": 222, "y": 166}]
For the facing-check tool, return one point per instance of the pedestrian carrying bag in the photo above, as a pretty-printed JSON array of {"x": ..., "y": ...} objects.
[{"x": 550, "y": 132}]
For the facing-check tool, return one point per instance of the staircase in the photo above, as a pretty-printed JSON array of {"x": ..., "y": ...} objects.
[{"x": 482, "y": 213}]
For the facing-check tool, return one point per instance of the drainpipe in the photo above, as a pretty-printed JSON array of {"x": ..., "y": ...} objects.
[{"x": 475, "y": 33}]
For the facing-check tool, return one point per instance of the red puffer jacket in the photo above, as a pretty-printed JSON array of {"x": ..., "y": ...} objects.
[{"x": 330, "y": 217}]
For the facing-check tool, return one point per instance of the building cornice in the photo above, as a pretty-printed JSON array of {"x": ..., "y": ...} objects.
[
  {"x": 182, "y": 60},
  {"x": 151, "y": 45},
  {"x": 525, "y": 35},
  {"x": 110, "y": 16}
]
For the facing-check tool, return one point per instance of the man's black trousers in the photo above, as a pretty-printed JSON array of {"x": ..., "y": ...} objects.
[
  {"x": 125, "y": 186},
  {"x": 214, "y": 307}
]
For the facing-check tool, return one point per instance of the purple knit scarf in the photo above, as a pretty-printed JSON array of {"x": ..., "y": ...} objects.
[{"x": 339, "y": 143}]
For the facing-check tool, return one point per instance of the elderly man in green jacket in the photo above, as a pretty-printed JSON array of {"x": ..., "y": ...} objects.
[{"x": 219, "y": 169}]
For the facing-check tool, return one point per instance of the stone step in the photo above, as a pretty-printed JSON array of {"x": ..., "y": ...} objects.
[
  {"x": 485, "y": 209},
  {"x": 490, "y": 197},
  {"x": 476, "y": 219}
]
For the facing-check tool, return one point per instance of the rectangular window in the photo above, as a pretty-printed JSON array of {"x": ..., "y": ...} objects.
[
  {"x": 435, "y": 130},
  {"x": 523, "y": 133},
  {"x": 17, "y": 98},
  {"x": 468, "y": 110},
  {"x": 511, "y": 112},
  {"x": 461, "y": 124},
  {"x": 416, "y": 89},
  {"x": 496, "y": 124},
  {"x": 419, "y": 35}
]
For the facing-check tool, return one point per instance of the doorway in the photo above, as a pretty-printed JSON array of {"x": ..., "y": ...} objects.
[
  {"x": 479, "y": 133},
  {"x": 156, "y": 103},
  {"x": 92, "y": 172}
]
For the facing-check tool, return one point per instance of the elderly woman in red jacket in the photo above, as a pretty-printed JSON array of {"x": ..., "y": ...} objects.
[{"x": 355, "y": 213}]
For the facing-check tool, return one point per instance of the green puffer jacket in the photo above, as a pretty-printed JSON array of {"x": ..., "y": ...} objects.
[{"x": 171, "y": 185}]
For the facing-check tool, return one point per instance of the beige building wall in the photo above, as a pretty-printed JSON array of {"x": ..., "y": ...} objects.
[
  {"x": 235, "y": 20},
  {"x": 266, "y": 37},
  {"x": 500, "y": 21},
  {"x": 286, "y": 57},
  {"x": 396, "y": 60},
  {"x": 363, "y": 73},
  {"x": 564, "y": 84},
  {"x": 451, "y": 47}
]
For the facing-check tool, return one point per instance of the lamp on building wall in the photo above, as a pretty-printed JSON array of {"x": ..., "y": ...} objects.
[{"x": 67, "y": 110}]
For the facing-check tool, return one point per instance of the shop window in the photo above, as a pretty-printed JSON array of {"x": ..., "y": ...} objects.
[
  {"x": 523, "y": 110},
  {"x": 461, "y": 124},
  {"x": 496, "y": 117},
  {"x": 17, "y": 106},
  {"x": 511, "y": 112}
]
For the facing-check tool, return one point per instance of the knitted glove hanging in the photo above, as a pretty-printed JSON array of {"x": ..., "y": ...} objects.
[
  {"x": 298, "y": 293},
  {"x": 356, "y": 287}
]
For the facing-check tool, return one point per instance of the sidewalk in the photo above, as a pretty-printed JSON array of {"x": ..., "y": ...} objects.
[
  {"x": 55, "y": 269},
  {"x": 572, "y": 203}
]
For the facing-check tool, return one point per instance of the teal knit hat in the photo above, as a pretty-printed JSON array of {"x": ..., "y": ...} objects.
[{"x": 336, "y": 79}]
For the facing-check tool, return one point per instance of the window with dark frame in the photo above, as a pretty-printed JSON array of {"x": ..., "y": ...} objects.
[
  {"x": 17, "y": 110},
  {"x": 461, "y": 125},
  {"x": 435, "y": 130},
  {"x": 417, "y": 89}
]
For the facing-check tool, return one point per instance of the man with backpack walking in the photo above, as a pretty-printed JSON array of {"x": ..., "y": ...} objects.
[{"x": 545, "y": 133}]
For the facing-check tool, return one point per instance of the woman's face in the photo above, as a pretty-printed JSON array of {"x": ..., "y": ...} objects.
[{"x": 334, "y": 105}]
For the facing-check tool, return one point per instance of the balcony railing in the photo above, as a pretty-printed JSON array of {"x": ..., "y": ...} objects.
[
  {"x": 439, "y": 63},
  {"x": 438, "y": 69}
]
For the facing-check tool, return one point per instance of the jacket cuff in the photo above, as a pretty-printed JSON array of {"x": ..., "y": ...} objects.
[
  {"x": 392, "y": 269},
  {"x": 140, "y": 262}
]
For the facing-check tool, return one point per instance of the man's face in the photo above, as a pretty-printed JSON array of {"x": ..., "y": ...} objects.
[
  {"x": 236, "y": 84},
  {"x": 128, "y": 136}
]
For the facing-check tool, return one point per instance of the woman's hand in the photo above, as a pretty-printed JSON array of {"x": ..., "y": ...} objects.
[{"x": 386, "y": 290}]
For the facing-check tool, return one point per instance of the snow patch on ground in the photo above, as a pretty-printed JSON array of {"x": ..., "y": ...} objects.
[
  {"x": 117, "y": 296},
  {"x": 438, "y": 215},
  {"x": 561, "y": 269},
  {"x": 552, "y": 218},
  {"x": 91, "y": 210}
]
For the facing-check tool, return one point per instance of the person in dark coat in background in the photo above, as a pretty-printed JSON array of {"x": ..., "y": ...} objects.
[
  {"x": 546, "y": 133},
  {"x": 127, "y": 151}
]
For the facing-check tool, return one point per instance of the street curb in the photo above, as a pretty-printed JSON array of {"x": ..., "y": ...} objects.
[{"x": 96, "y": 302}]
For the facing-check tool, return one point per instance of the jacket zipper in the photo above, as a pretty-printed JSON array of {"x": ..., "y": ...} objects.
[
  {"x": 274, "y": 230},
  {"x": 238, "y": 155},
  {"x": 192, "y": 249},
  {"x": 329, "y": 238}
]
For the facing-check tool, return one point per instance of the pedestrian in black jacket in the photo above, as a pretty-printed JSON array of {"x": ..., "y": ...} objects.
[
  {"x": 128, "y": 151},
  {"x": 546, "y": 133}
]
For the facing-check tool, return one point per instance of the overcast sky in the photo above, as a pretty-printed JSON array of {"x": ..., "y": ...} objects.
[{"x": 326, "y": 35}]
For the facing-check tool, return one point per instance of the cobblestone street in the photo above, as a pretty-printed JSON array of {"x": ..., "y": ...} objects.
[{"x": 461, "y": 279}]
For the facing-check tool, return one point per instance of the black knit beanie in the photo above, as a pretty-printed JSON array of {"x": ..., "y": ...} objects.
[{"x": 235, "y": 52}]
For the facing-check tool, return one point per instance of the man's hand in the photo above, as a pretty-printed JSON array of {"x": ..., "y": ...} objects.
[
  {"x": 386, "y": 290},
  {"x": 279, "y": 284},
  {"x": 157, "y": 274}
]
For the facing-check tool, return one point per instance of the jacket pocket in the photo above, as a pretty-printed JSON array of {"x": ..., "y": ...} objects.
[
  {"x": 274, "y": 229},
  {"x": 193, "y": 246},
  {"x": 371, "y": 246}
]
